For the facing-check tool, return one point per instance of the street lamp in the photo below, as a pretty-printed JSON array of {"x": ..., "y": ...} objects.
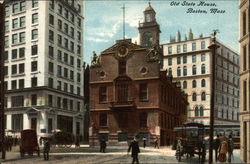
[{"x": 213, "y": 48}]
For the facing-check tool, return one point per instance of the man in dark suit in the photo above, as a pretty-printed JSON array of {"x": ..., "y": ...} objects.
[
  {"x": 216, "y": 147},
  {"x": 135, "y": 149},
  {"x": 103, "y": 145}
]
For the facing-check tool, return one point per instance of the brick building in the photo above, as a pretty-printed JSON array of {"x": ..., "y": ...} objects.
[{"x": 129, "y": 95}]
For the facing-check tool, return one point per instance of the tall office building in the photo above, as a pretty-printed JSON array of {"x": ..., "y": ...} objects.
[
  {"x": 189, "y": 62},
  {"x": 245, "y": 80},
  {"x": 43, "y": 65}
]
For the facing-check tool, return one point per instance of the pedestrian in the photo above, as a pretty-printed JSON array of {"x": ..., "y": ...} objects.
[
  {"x": 223, "y": 149},
  {"x": 103, "y": 145},
  {"x": 77, "y": 143},
  {"x": 216, "y": 147},
  {"x": 144, "y": 141},
  {"x": 46, "y": 148},
  {"x": 15, "y": 141},
  {"x": 156, "y": 142},
  {"x": 134, "y": 145},
  {"x": 230, "y": 148}
]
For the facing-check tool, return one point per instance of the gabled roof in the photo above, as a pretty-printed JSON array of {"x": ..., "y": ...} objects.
[{"x": 126, "y": 42}]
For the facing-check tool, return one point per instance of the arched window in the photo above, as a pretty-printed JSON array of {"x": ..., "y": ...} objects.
[
  {"x": 203, "y": 96},
  {"x": 178, "y": 71},
  {"x": 201, "y": 111},
  {"x": 184, "y": 84},
  {"x": 194, "y": 97},
  {"x": 185, "y": 71},
  {"x": 203, "y": 83},
  {"x": 194, "y": 69},
  {"x": 196, "y": 111},
  {"x": 194, "y": 83},
  {"x": 170, "y": 72},
  {"x": 203, "y": 69}
]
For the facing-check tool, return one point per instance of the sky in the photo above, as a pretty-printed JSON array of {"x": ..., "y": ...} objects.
[{"x": 104, "y": 21}]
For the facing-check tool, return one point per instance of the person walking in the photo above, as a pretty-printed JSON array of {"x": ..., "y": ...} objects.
[
  {"x": 144, "y": 141},
  {"x": 156, "y": 143},
  {"x": 216, "y": 147},
  {"x": 46, "y": 148},
  {"x": 230, "y": 148},
  {"x": 77, "y": 142},
  {"x": 102, "y": 145},
  {"x": 223, "y": 149},
  {"x": 134, "y": 145}
]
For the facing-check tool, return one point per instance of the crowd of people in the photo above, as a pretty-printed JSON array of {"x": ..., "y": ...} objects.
[
  {"x": 10, "y": 142},
  {"x": 223, "y": 148}
]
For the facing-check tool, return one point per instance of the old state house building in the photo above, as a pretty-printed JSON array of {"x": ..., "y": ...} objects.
[{"x": 131, "y": 95}]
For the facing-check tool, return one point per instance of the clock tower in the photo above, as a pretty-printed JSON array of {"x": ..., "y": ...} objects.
[{"x": 149, "y": 30}]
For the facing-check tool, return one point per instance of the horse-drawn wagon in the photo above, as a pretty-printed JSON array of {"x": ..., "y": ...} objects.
[{"x": 190, "y": 141}]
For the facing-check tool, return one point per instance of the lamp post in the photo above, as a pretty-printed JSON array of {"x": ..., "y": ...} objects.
[
  {"x": 2, "y": 122},
  {"x": 213, "y": 48}
]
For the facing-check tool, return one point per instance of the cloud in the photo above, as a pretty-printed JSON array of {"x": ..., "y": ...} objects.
[{"x": 96, "y": 39}]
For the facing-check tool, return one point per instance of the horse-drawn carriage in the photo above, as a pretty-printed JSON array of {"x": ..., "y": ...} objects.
[
  {"x": 190, "y": 141},
  {"x": 28, "y": 142},
  {"x": 60, "y": 139}
]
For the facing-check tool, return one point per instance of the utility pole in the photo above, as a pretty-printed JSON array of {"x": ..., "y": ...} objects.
[
  {"x": 213, "y": 48},
  {"x": 2, "y": 121},
  {"x": 123, "y": 8}
]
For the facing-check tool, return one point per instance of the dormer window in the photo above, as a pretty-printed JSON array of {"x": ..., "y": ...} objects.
[{"x": 148, "y": 17}]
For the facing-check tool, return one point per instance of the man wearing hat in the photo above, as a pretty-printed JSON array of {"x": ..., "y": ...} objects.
[{"x": 134, "y": 145}]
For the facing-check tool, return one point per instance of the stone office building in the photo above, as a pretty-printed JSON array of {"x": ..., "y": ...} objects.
[
  {"x": 188, "y": 60},
  {"x": 43, "y": 66},
  {"x": 245, "y": 80},
  {"x": 130, "y": 94}
]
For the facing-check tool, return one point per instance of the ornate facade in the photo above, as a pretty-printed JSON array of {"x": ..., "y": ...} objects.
[
  {"x": 245, "y": 80},
  {"x": 130, "y": 95}
]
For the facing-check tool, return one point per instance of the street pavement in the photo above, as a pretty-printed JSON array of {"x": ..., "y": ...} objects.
[{"x": 113, "y": 155}]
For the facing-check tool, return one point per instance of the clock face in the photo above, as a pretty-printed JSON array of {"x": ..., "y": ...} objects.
[
  {"x": 122, "y": 51},
  {"x": 147, "y": 39}
]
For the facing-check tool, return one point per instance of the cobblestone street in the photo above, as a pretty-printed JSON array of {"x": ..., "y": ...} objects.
[{"x": 85, "y": 155}]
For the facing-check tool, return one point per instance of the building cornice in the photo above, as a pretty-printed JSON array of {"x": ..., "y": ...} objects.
[
  {"x": 135, "y": 79},
  {"x": 244, "y": 37},
  {"x": 244, "y": 113},
  {"x": 191, "y": 77},
  {"x": 181, "y": 42},
  {"x": 221, "y": 119},
  {"x": 245, "y": 72},
  {"x": 243, "y": 3},
  {"x": 186, "y": 53},
  {"x": 41, "y": 89}
]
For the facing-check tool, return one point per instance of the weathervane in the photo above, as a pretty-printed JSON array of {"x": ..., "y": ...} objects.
[{"x": 123, "y": 8}]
